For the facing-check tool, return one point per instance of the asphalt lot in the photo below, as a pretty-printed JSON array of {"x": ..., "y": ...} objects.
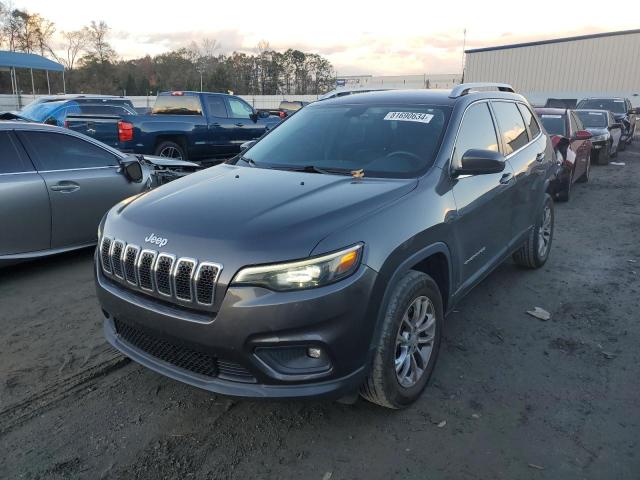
[{"x": 522, "y": 398}]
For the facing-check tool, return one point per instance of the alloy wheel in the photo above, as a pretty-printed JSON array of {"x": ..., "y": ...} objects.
[
  {"x": 544, "y": 232},
  {"x": 171, "y": 152},
  {"x": 414, "y": 341}
]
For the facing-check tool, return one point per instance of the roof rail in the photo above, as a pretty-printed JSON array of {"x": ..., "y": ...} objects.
[{"x": 465, "y": 88}]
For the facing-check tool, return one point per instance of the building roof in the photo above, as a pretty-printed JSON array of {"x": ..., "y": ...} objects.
[
  {"x": 555, "y": 40},
  {"x": 28, "y": 60}
]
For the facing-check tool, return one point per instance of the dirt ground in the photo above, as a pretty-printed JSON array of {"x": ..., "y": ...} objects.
[{"x": 522, "y": 398}]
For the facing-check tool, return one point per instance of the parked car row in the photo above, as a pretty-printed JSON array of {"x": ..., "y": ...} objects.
[{"x": 591, "y": 133}]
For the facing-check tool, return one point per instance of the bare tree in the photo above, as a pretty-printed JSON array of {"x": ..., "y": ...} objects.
[
  {"x": 100, "y": 49},
  {"x": 75, "y": 44}
]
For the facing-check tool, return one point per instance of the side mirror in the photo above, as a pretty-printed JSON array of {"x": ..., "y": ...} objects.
[
  {"x": 583, "y": 135},
  {"x": 51, "y": 121},
  {"x": 247, "y": 145},
  {"x": 133, "y": 170},
  {"x": 479, "y": 162}
]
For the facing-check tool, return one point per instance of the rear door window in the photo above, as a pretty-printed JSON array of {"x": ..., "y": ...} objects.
[
  {"x": 529, "y": 120},
  {"x": 57, "y": 151},
  {"x": 10, "y": 159},
  {"x": 476, "y": 132},
  {"x": 554, "y": 124},
  {"x": 512, "y": 129},
  {"x": 215, "y": 106}
]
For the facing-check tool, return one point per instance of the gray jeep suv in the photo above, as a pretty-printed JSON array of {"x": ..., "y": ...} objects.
[{"x": 322, "y": 260}]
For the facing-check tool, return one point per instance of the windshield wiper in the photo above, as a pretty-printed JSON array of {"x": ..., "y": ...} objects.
[
  {"x": 250, "y": 161},
  {"x": 314, "y": 169}
]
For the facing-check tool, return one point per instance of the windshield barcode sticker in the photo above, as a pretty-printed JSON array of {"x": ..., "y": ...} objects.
[{"x": 409, "y": 117}]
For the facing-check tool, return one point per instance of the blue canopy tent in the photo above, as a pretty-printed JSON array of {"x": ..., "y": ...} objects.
[{"x": 31, "y": 61}]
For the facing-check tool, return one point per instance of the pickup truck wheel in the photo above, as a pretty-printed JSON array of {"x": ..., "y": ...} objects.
[
  {"x": 170, "y": 149},
  {"x": 535, "y": 251},
  {"x": 408, "y": 347}
]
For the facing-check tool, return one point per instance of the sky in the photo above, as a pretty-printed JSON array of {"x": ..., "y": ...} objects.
[{"x": 393, "y": 37}]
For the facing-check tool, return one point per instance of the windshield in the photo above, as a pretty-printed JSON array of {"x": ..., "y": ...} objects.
[
  {"x": 554, "y": 124},
  {"x": 383, "y": 140},
  {"x": 39, "y": 111},
  {"x": 593, "y": 119},
  {"x": 613, "y": 105}
]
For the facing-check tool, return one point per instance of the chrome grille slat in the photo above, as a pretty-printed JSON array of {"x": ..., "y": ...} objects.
[
  {"x": 105, "y": 254},
  {"x": 116, "y": 258},
  {"x": 130, "y": 258},
  {"x": 205, "y": 281},
  {"x": 164, "y": 271},
  {"x": 182, "y": 276},
  {"x": 163, "y": 275},
  {"x": 146, "y": 261}
]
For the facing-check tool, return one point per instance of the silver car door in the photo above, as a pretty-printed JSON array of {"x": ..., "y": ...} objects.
[
  {"x": 25, "y": 216},
  {"x": 83, "y": 180}
]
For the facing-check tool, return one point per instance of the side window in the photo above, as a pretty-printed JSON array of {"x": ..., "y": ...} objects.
[
  {"x": 529, "y": 120},
  {"x": 514, "y": 134},
  {"x": 10, "y": 159},
  {"x": 57, "y": 151},
  {"x": 476, "y": 131},
  {"x": 239, "y": 109},
  {"x": 215, "y": 106}
]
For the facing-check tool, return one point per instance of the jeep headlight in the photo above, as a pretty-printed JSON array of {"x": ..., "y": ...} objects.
[
  {"x": 298, "y": 275},
  {"x": 600, "y": 138}
]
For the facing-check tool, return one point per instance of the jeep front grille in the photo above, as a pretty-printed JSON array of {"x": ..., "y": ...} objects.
[{"x": 160, "y": 274}]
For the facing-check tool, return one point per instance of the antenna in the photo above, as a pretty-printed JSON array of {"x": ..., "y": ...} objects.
[{"x": 464, "y": 45}]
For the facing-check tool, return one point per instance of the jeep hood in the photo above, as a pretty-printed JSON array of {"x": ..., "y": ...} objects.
[{"x": 240, "y": 216}]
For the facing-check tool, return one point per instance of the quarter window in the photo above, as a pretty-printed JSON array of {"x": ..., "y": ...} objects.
[
  {"x": 10, "y": 160},
  {"x": 514, "y": 134},
  {"x": 476, "y": 132},
  {"x": 529, "y": 120},
  {"x": 239, "y": 109},
  {"x": 56, "y": 151}
]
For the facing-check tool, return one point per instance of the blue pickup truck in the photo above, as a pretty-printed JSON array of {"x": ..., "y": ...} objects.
[{"x": 181, "y": 125}]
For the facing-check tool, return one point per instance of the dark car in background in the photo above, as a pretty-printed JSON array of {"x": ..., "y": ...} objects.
[
  {"x": 572, "y": 147},
  {"x": 286, "y": 108},
  {"x": 322, "y": 261},
  {"x": 54, "y": 110},
  {"x": 181, "y": 125},
  {"x": 55, "y": 186},
  {"x": 622, "y": 110},
  {"x": 606, "y": 131}
]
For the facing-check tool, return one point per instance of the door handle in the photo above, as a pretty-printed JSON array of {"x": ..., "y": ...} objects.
[
  {"x": 540, "y": 157},
  {"x": 65, "y": 187},
  {"x": 506, "y": 178},
  {"x": 239, "y": 124}
]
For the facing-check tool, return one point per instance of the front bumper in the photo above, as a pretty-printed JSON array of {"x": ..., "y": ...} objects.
[{"x": 250, "y": 322}]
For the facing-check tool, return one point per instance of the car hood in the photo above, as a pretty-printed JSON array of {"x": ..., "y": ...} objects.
[{"x": 241, "y": 215}]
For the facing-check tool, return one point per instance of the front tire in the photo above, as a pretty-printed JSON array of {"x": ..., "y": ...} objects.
[
  {"x": 408, "y": 347},
  {"x": 535, "y": 251},
  {"x": 604, "y": 154}
]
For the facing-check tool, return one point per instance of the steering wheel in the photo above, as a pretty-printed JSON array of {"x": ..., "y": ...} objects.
[{"x": 415, "y": 159}]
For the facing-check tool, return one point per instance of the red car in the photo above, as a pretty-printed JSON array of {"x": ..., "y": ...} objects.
[{"x": 572, "y": 145}]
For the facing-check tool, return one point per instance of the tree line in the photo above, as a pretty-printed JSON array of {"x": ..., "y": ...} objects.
[{"x": 93, "y": 66}]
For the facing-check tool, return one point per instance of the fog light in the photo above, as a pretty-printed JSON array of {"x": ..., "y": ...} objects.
[{"x": 314, "y": 352}]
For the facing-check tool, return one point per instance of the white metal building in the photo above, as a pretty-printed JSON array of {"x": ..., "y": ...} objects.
[
  {"x": 574, "y": 67},
  {"x": 441, "y": 80}
]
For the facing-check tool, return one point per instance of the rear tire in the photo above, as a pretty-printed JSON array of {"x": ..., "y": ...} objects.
[
  {"x": 535, "y": 251},
  {"x": 565, "y": 194},
  {"x": 170, "y": 149},
  {"x": 401, "y": 368},
  {"x": 622, "y": 146}
]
